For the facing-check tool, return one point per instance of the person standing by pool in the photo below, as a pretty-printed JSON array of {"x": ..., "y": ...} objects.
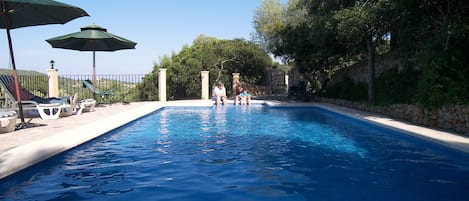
[{"x": 219, "y": 93}]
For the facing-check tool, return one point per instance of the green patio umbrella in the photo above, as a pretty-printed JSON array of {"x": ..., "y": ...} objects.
[
  {"x": 92, "y": 38},
  {"x": 24, "y": 13}
]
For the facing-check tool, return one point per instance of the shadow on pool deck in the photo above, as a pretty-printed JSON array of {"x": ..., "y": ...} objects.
[{"x": 23, "y": 148}]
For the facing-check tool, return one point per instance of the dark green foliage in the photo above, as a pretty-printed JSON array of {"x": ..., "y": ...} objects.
[
  {"x": 397, "y": 87},
  {"x": 444, "y": 77},
  {"x": 434, "y": 36},
  {"x": 393, "y": 87},
  {"x": 348, "y": 90},
  {"x": 147, "y": 88},
  {"x": 408, "y": 86}
]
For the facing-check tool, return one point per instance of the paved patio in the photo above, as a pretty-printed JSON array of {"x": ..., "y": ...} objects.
[{"x": 23, "y": 148}]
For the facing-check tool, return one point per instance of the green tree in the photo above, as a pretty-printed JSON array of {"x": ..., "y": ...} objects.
[
  {"x": 429, "y": 38},
  {"x": 366, "y": 22},
  {"x": 220, "y": 57},
  {"x": 269, "y": 21},
  {"x": 304, "y": 33},
  {"x": 433, "y": 38}
]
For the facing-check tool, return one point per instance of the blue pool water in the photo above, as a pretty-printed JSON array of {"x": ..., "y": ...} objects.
[{"x": 247, "y": 153}]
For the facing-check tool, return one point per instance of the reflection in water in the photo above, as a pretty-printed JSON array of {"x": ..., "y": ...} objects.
[
  {"x": 164, "y": 122},
  {"x": 204, "y": 116},
  {"x": 220, "y": 114},
  {"x": 163, "y": 137},
  {"x": 333, "y": 139},
  {"x": 221, "y": 119}
]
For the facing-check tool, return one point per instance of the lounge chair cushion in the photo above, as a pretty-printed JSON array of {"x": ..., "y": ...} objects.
[
  {"x": 4, "y": 114},
  {"x": 25, "y": 95}
]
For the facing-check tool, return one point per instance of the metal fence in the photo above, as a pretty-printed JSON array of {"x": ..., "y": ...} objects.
[
  {"x": 124, "y": 87},
  {"x": 36, "y": 84}
]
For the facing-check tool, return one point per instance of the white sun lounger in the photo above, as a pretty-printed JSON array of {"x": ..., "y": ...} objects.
[
  {"x": 7, "y": 121},
  {"x": 85, "y": 105}
]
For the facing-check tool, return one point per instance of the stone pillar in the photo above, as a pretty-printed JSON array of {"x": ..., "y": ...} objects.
[
  {"x": 205, "y": 85},
  {"x": 162, "y": 84},
  {"x": 53, "y": 82},
  {"x": 236, "y": 83},
  {"x": 286, "y": 82}
]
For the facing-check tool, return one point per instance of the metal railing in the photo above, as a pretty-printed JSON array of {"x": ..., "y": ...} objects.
[{"x": 124, "y": 87}]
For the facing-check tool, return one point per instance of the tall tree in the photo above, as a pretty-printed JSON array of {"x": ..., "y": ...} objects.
[
  {"x": 220, "y": 57},
  {"x": 269, "y": 21},
  {"x": 304, "y": 33},
  {"x": 366, "y": 22}
]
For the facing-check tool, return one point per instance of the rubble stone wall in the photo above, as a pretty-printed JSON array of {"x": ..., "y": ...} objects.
[{"x": 454, "y": 118}]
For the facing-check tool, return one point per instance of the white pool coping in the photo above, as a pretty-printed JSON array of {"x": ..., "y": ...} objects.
[{"x": 24, "y": 148}]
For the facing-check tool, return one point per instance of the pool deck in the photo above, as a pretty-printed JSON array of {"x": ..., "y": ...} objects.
[{"x": 23, "y": 148}]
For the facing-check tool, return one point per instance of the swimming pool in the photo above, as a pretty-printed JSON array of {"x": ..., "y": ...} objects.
[{"x": 247, "y": 153}]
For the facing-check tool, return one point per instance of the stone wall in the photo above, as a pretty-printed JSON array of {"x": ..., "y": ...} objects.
[
  {"x": 276, "y": 84},
  {"x": 256, "y": 90},
  {"x": 359, "y": 72},
  {"x": 295, "y": 78},
  {"x": 454, "y": 118},
  {"x": 277, "y": 81}
]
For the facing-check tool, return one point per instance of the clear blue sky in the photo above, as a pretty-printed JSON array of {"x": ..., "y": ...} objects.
[{"x": 160, "y": 27}]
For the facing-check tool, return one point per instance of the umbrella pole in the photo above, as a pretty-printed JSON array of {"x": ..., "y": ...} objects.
[
  {"x": 94, "y": 75},
  {"x": 15, "y": 75}
]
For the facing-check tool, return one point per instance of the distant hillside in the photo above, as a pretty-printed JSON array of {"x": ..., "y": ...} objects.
[{"x": 4, "y": 71}]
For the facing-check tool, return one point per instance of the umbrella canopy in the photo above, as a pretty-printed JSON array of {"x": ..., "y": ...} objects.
[
  {"x": 24, "y": 13},
  {"x": 92, "y": 38}
]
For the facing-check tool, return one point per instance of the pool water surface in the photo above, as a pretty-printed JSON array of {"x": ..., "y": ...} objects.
[{"x": 247, "y": 153}]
